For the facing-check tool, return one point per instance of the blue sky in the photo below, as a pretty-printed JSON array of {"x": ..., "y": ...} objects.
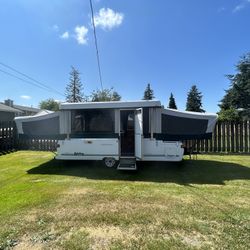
[{"x": 170, "y": 44}]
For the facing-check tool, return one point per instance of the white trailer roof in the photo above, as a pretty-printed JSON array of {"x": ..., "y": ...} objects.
[{"x": 107, "y": 105}]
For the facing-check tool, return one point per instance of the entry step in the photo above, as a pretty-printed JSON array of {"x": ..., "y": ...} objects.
[{"x": 127, "y": 163}]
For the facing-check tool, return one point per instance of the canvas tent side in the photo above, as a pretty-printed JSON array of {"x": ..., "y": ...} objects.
[
  {"x": 45, "y": 125},
  {"x": 185, "y": 125},
  {"x": 159, "y": 123}
]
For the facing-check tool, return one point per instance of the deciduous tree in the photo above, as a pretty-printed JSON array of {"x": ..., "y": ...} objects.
[
  {"x": 105, "y": 95},
  {"x": 49, "y": 104},
  {"x": 230, "y": 114}
]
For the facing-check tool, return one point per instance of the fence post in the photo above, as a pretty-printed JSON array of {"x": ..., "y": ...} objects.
[
  {"x": 215, "y": 138},
  {"x": 241, "y": 137},
  {"x": 232, "y": 137},
  {"x": 248, "y": 136},
  {"x": 223, "y": 135},
  {"x": 219, "y": 136},
  {"x": 236, "y": 135}
]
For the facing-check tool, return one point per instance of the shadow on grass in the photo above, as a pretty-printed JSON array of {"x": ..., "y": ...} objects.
[
  {"x": 186, "y": 173},
  {"x": 5, "y": 152}
]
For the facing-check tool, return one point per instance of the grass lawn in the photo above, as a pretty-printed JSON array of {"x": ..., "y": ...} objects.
[{"x": 48, "y": 204}]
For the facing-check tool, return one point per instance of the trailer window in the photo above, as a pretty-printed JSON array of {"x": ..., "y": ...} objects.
[{"x": 92, "y": 121}]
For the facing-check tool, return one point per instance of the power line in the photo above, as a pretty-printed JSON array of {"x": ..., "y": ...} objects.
[
  {"x": 32, "y": 79},
  {"x": 21, "y": 79},
  {"x": 26, "y": 81},
  {"x": 96, "y": 45},
  {"x": 39, "y": 84}
]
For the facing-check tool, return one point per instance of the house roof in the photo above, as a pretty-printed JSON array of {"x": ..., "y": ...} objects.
[
  {"x": 6, "y": 108},
  {"x": 25, "y": 108},
  {"x": 107, "y": 105}
]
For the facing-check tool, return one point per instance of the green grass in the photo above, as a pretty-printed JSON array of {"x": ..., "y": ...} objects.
[{"x": 49, "y": 204}]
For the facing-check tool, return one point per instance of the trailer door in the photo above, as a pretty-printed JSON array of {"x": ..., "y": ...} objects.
[{"x": 138, "y": 133}]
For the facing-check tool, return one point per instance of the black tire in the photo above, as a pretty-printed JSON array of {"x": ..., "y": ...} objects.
[{"x": 109, "y": 162}]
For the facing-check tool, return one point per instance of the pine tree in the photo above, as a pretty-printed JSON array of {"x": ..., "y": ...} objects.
[
  {"x": 172, "y": 104},
  {"x": 194, "y": 100},
  {"x": 148, "y": 93},
  {"x": 238, "y": 95},
  {"x": 74, "y": 88}
]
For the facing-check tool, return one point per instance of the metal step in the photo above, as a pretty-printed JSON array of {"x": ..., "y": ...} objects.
[{"x": 127, "y": 163}]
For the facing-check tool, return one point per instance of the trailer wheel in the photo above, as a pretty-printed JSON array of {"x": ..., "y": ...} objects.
[{"x": 109, "y": 162}]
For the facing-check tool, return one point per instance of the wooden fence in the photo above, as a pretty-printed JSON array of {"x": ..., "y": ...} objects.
[
  {"x": 37, "y": 144},
  {"x": 228, "y": 137},
  {"x": 7, "y": 136},
  {"x": 10, "y": 141}
]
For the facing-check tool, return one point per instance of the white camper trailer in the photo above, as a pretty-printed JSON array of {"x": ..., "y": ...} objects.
[{"x": 119, "y": 133}]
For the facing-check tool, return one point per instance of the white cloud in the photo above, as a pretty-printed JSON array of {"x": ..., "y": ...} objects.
[
  {"x": 25, "y": 97},
  {"x": 81, "y": 34},
  {"x": 108, "y": 19},
  {"x": 65, "y": 35},
  {"x": 55, "y": 27},
  {"x": 241, "y": 6},
  {"x": 238, "y": 7},
  {"x": 221, "y": 9}
]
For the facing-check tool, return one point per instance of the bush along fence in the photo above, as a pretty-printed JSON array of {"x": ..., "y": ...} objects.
[{"x": 228, "y": 137}]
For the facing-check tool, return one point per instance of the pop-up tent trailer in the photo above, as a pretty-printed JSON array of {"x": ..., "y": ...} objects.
[{"x": 123, "y": 132}]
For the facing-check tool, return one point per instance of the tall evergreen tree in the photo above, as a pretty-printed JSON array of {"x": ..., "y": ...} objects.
[
  {"x": 194, "y": 100},
  {"x": 74, "y": 88},
  {"x": 172, "y": 104},
  {"x": 148, "y": 93},
  {"x": 238, "y": 95}
]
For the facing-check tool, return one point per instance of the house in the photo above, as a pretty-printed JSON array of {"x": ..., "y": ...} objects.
[
  {"x": 25, "y": 110},
  {"x": 8, "y": 113}
]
